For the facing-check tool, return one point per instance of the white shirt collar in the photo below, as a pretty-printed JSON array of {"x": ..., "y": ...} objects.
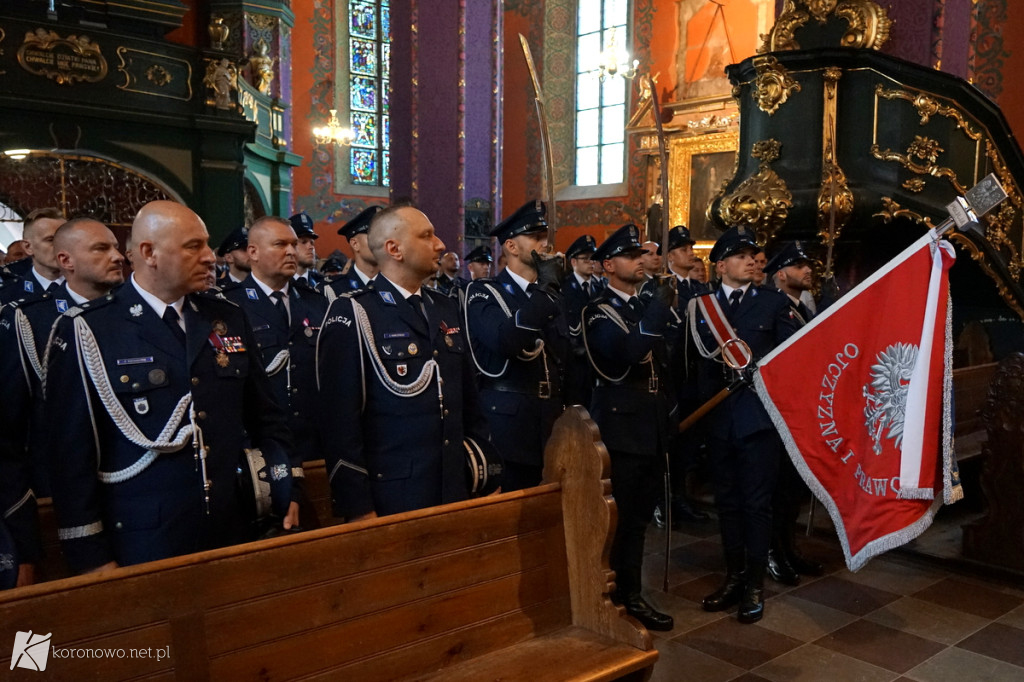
[
  {"x": 579, "y": 279},
  {"x": 364, "y": 278},
  {"x": 267, "y": 289},
  {"x": 621, "y": 294},
  {"x": 45, "y": 282},
  {"x": 405, "y": 292},
  {"x": 521, "y": 282},
  {"x": 156, "y": 304},
  {"x": 727, "y": 290},
  {"x": 75, "y": 296}
]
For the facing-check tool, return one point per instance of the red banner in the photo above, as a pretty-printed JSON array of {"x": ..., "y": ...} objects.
[{"x": 861, "y": 397}]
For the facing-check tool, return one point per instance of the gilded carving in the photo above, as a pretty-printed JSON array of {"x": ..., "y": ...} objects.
[
  {"x": 158, "y": 75},
  {"x": 762, "y": 201},
  {"x": 773, "y": 84},
  {"x": 65, "y": 60},
  {"x": 221, "y": 80},
  {"x": 914, "y": 185},
  {"x": 891, "y": 211},
  {"x": 927, "y": 107},
  {"x": 868, "y": 23},
  {"x": 835, "y": 199},
  {"x": 921, "y": 158}
]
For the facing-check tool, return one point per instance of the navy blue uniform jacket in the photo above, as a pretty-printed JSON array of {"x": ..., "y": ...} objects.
[
  {"x": 159, "y": 511},
  {"x": 391, "y": 453}
]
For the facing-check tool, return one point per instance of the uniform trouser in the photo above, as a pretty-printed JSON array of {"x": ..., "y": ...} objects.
[
  {"x": 790, "y": 491},
  {"x": 744, "y": 472},
  {"x": 517, "y": 476},
  {"x": 636, "y": 486},
  {"x": 684, "y": 450}
]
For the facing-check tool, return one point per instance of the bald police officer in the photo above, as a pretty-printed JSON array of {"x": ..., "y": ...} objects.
[{"x": 158, "y": 389}]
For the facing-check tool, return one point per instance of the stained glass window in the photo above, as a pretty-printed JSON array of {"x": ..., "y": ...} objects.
[
  {"x": 369, "y": 41},
  {"x": 602, "y": 26}
]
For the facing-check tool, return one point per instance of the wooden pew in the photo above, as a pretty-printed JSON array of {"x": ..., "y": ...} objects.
[
  {"x": 512, "y": 586},
  {"x": 970, "y": 389}
]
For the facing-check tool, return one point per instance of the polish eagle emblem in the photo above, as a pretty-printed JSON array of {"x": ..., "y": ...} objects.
[{"x": 885, "y": 397}]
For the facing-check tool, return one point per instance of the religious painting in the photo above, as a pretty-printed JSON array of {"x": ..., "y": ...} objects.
[
  {"x": 699, "y": 168},
  {"x": 712, "y": 35}
]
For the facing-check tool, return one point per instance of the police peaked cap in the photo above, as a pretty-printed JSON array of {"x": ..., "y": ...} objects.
[
  {"x": 626, "y": 238},
  {"x": 585, "y": 244},
  {"x": 361, "y": 223},
  {"x": 530, "y": 217},
  {"x": 679, "y": 236},
  {"x": 303, "y": 225},
  {"x": 791, "y": 254},
  {"x": 481, "y": 254},
  {"x": 238, "y": 238},
  {"x": 732, "y": 241}
]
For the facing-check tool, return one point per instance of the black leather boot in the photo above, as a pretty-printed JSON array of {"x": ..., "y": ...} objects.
[
  {"x": 779, "y": 568},
  {"x": 683, "y": 513},
  {"x": 651, "y": 618},
  {"x": 752, "y": 602},
  {"x": 799, "y": 564},
  {"x": 729, "y": 593}
]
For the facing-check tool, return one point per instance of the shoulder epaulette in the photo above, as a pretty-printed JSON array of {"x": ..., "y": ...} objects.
[{"x": 90, "y": 306}]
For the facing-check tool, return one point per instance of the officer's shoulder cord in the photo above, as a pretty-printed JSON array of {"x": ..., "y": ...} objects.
[
  {"x": 691, "y": 311},
  {"x": 90, "y": 363},
  {"x": 329, "y": 293},
  {"x": 28, "y": 343},
  {"x": 402, "y": 390},
  {"x": 618, "y": 321},
  {"x": 279, "y": 361}
]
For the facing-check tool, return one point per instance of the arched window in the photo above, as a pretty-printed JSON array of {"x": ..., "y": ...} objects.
[
  {"x": 602, "y": 27},
  {"x": 364, "y": 53}
]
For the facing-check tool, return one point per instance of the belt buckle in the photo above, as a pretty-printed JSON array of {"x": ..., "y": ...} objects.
[
  {"x": 652, "y": 384},
  {"x": 544, "y": 389}
]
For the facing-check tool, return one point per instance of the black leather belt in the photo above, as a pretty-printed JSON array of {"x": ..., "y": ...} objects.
[
  {"x": 647, "y": 385},
  {"x": 540, "y": 389}
]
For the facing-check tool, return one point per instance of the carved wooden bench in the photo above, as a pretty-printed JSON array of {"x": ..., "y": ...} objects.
[{"x": 513, "y": 586}]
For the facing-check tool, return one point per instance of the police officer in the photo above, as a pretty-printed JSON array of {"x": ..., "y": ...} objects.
[
  {"x": 306, "y": 275},
  {"x": 39, "y": 273},
  {"x": 578, "y": 288},
  {"x": 741, "y": 437},
  {"x": 685, "y": 449},
  {"x": 396, "y": 383},
  {"x": 86, "y": 251},
  {"x": 792, "y": 271},
  {"x": 152, "y": 392},
  {"x": 520, "y": 342},
  {"x": 448, "y": 273},
  {"x": 364, "y": 263},
  {"x": 478, "y": 263},
  {"x": 285, "y": 318},
  {"x": 633, "y": 404},
  {"x": 234, "y": 250}
]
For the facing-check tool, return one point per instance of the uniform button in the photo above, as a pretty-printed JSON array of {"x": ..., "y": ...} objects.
[
  {"x": 119, "y": 525},
  {"x": 380, "y": 477},
  {"x": 446, "y": 441},
  {"x": 195, "y": 381},
  {"x": 446, "y": 413},
  {"x": 295, "y": 390},
  {"x": 295, "y": 414},
  {"x": 201, "y": 414},
  {"x": 435, "y": 353},
  {"x": 492, "y": 408},
  {"x": 136, "y": 385}
]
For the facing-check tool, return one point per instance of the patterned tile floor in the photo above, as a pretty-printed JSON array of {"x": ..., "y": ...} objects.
[{"x": 898, "y": 618}]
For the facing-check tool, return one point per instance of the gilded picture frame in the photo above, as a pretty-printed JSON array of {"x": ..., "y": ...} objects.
[{"x": 699, "y": 168}]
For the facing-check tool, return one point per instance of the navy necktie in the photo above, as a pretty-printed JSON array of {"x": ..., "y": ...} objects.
[
  {"x": 734, "y": 299},
  {"x": 416, "y": 301},
  {"x": 278, "y": 298},
  {"x": 173, "y": 322}
]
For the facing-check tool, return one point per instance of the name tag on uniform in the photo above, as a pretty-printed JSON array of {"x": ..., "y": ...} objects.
[
  {"x": 396, "y": 335},
  {"x": 134, "y": 361},
  {"x": 261, "y": 327}
]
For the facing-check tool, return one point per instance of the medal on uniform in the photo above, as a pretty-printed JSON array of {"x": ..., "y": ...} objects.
[
  {"x": 448, "y": 340},
  {"x": 222, "y": 359},
  {"x": 412, "y": 349},
  {"x": 219, "y": 328}
]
